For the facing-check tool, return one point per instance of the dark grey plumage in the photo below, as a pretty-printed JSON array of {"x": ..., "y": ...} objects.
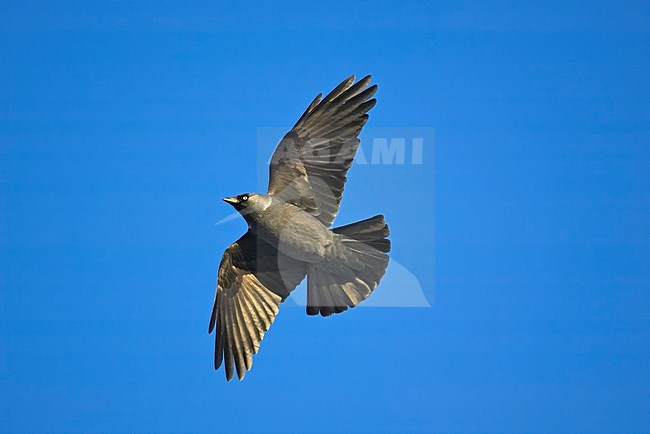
[{"x": 288, "y": 236}]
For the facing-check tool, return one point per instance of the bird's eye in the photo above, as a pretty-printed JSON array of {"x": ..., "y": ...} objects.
[{"x": 244, "y": 198}]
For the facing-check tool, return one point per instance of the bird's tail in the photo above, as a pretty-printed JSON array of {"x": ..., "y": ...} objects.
[{"x": 361, "y": 262}]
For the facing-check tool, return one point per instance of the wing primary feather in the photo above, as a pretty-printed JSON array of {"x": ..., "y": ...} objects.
[
  {"x": 338, "y": 90},
  {"x": 215, "y": 309},
  {"x": 244, "y": 333},
  {"x": 327, "y": 109},
  {"x": 329, "y": 100},
  {"x": 307, "y": 112},
  {"x": 235, "y": 341},
  {"x": 354, "y": 89},
  {"x": 218, "y": 349},
  {"x": 227, "y": 353}
]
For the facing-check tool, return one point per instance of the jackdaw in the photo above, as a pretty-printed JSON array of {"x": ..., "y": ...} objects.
[{"x": 288, "y": 234}]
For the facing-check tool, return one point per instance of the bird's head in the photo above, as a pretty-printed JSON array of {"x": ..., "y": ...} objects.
[{"x": 247, "y": 203}]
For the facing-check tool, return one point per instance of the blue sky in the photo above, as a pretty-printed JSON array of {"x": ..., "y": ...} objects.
[{"x": 122, "y": 124}]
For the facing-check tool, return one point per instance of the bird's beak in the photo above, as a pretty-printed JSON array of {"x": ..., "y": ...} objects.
[{"x": 231, "y": 200}]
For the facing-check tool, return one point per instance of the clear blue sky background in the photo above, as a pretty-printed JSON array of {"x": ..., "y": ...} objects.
[{"x": 122, "y": 124}]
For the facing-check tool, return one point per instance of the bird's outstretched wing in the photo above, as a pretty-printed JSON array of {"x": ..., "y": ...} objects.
[
  {"x": 253, "y": 279},
  {"x": 309, "y": 166}
]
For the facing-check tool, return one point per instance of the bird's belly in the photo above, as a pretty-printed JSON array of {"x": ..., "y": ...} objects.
[
  {"x": 301, "y": 237},
  {"x": 300, "y": 252}
]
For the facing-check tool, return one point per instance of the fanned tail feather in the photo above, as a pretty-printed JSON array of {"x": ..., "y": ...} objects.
[{"x": 333, "y": 287}]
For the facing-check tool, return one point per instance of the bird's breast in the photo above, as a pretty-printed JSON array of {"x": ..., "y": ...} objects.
[{"x": 294, "y": 232}]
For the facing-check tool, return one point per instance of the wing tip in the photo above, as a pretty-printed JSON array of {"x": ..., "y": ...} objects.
[
  {"x": 350, "y": 79},
  {"x": 362, "y": 82}
]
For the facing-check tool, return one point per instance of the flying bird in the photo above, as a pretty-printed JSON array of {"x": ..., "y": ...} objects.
[{"x": 289, "y": 235}]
